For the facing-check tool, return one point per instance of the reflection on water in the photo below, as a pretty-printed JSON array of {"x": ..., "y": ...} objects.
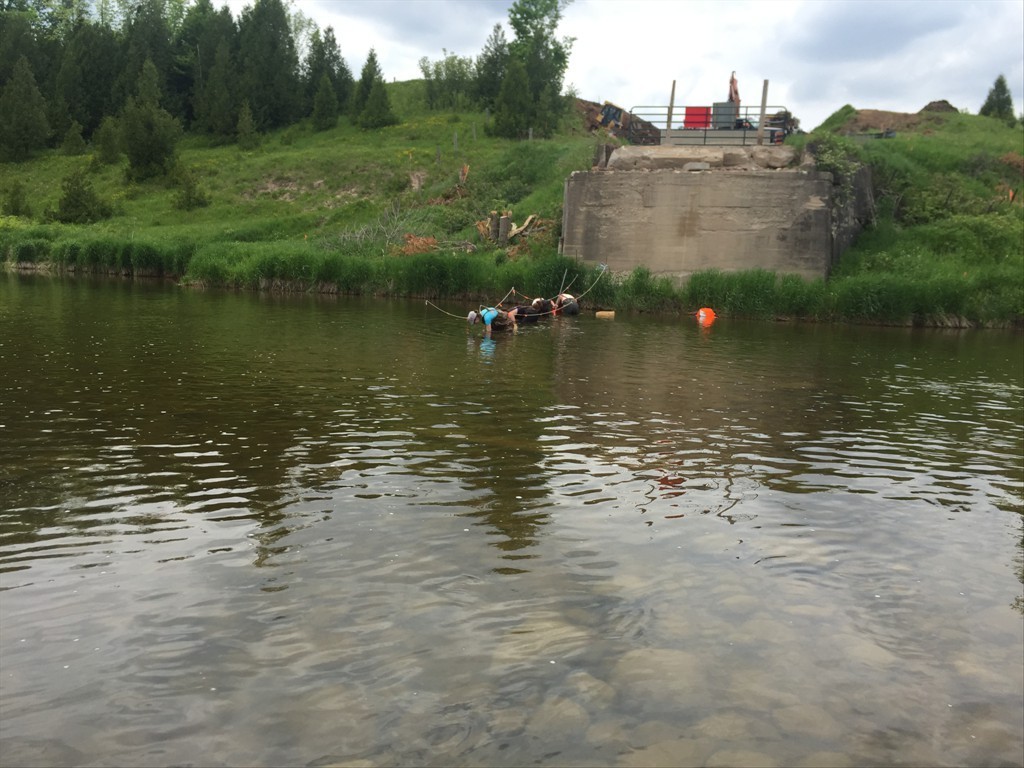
[{"x": 297, "y": 531}]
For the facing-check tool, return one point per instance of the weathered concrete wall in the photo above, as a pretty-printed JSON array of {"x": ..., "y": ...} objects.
[{"x": 676, "y": 222}]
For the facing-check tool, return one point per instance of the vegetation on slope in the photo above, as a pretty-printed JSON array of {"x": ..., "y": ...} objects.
[{"x": 395, "y": 212}]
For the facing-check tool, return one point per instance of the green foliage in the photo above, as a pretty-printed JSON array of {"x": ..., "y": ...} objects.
[
  {"x": 215, "y": 107},
  {"x": 247, "y": 136},
  {"x": 324, "y": 58},
  {"x": 269, "y": 65},
  {"x": 107, "y": 142},
  {"x": 839, "y": 157},
  {"x": 34, "y": 251},
  {"x": 448, "y": 82},
  {"x": 377, "y": 111},
  {"x": 837, "y": 120},
  {"x": 189, "y": 195},
  {"x": 999, "y": 103},
  {"x": 73, "y": 143},
  {"x": 490, "y": 67},
  {"x": 325, "y": 105},
  {"x": 149, "y": 135},
  {"x": 15, "y": 201},
  {"x": 92, "y": 62},
  {"x": 24, "y": 128},
  {"x": 371, "y": 74},
  {"x": 513, "y": 111},
  {"x": 544, "y": 57},
  {"x": 79, "y": 203},
  {"x": 642, "y": 291}
]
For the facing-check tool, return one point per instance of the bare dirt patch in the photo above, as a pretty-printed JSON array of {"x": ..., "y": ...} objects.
[{"x": 878, "y": 120}]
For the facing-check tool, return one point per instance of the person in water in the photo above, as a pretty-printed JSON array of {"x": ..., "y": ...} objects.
[
  {"x": 544, "y": 307},
  {"x": 492, "y": 318},
  {"x": 566, "y": 304},
  {"x": 498, "y": 319}
]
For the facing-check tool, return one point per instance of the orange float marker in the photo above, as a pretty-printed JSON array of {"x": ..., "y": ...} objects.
[{"x": 705, "y": 316}]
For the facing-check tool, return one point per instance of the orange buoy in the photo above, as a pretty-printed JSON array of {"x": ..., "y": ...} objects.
[{"x": 705, "y": 315}]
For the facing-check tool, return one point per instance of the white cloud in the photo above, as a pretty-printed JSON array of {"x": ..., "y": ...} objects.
[{"x": 816, "y": 54}]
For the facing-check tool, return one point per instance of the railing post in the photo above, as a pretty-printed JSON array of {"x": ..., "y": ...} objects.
[
  {"x": 760, "y": 123},
  {"x": 668, "y": 121}
]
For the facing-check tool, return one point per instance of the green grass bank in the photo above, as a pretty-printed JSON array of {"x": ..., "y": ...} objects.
[{"x": 398, "y": 211}]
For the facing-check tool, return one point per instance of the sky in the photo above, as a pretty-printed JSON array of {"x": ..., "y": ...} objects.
[{"x": 817, "y": 55}]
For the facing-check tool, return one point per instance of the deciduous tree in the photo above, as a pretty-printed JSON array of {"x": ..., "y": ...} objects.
[{"x": 544, "y": 56}]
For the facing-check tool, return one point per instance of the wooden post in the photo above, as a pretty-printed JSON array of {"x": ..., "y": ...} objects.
[
  {"x": 493, "y": 226},
  {"x": 504, "y": 227},
  {"x": 671, "y": 107},
  {"x": 764, "y": 107},
  {"x": 455, "y": 142}
]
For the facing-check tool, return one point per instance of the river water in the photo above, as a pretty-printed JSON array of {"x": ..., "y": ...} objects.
[{"x": 273, "y": 531}]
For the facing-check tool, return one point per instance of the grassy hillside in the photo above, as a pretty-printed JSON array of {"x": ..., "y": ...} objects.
[{"x": 335, "y": 211}]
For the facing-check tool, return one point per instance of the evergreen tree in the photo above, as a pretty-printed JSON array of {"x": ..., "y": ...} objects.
[
  {"x": 79, "y": 203},
  {"x": 216, "y": 109},
  {"x": 513, "y": 112},
  {"x": 324, "y": 57},
  {"x": 377, "y": 112},
  {"x": 371, "y": 73},
  {"x": 325, "y": 105},
  {"x": 315, "y": 68},
  {"x": 340, "y": 73},
  {"x": 73, "y": 143},
  {"x": 248, "y": 137},
  {"x": 149, "y": 134},
  {"x": 147, "y": 37},
  {"x": 90, "y": 65},
  {"x": 269, "y": 63},
  {"x": 999, "y": 103},
  {"x": 490, "y": 68},
  {"x": 214, "y": 76},
  {"x": 15, "y": 202},
  {"x": 106, "y": 141},
  {"x": 23, "y": 124}
]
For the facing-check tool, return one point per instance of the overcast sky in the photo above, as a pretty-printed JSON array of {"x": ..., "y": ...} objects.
[{"x": 816, "y": 54}]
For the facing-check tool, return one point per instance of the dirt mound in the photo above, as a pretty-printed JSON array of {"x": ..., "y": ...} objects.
[
  {"x": 939, "y": 106},
  {"x": 877, "y": 121}
]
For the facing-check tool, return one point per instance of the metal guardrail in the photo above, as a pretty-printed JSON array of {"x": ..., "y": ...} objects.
[{"x": 721, "y": 124}]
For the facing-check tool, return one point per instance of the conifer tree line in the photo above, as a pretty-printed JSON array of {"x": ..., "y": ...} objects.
[{"x": 129, "y": 76}]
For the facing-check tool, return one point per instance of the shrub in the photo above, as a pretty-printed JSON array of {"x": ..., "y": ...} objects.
[
  {"x": 15, "y": 202},
  {"x": 79, "y": 203},
  {"x": 189, "y": 196},
  {"x": 31, "y": 251},
  {"x": 73, "y": 143},
  {"x": 107, "y": 141}
]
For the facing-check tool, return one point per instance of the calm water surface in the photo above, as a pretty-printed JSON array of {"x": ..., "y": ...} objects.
[{"x": 244, "y": 530}]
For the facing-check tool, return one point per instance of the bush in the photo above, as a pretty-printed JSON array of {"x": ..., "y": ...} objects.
[
  {"x": 15, "y": 203},
  {"x": 79, "y": 203},
  {"x": 73, "y": 143},
  {"x": 106, "y": 142},
  {"x": 31, "y": 251},
  {"x": 189, "y": 196}
]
